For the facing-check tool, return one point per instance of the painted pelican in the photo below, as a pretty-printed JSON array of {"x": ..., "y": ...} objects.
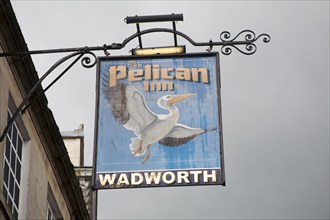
[{"x": 129, "y": 109}]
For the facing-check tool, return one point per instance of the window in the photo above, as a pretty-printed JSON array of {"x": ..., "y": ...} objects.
[
  {"x": 53, "y": 211},
  {"x": 12, "y": 167},
  {"x": 50, "y": 213}
]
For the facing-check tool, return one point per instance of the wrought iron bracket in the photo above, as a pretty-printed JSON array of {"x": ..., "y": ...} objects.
[
  {"x": 245, "y": 46},
  {"x": 32, "y": 96}
]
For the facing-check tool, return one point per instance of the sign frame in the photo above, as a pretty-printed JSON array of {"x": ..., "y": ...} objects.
[{"x": 159, "y": 177}]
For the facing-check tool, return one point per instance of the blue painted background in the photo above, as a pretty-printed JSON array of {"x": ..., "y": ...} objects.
[{"x": 201, "y": 111}]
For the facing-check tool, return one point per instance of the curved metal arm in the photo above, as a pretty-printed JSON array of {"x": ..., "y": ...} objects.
[
  {"x": 226, "y": 43},
  {"x": 85, "y": 61}
]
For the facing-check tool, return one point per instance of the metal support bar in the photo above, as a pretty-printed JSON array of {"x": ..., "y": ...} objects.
[
  {"x": 62, "y": 50},
  {"x": 249, "y": 39},
  {"x": 139, "y": 36},
  {"x": 52, "y": 83},
  {"x": 175, "y": 37},
  {"x": 153, "y": 18}
]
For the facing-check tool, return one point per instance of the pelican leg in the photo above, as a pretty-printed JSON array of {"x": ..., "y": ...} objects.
[{"x": 147, "y": 156}]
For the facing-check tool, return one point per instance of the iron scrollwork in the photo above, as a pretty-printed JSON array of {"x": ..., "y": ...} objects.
[
  {"x": 249, "y": 38},
  {"x": 86, "y": 61}
]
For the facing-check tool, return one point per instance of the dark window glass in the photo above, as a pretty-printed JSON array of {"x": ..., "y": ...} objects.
[
  {"x": 7, "y": 148},
  {"x": 14, "y": 137},
  {"x": 6, "y": 173},
  {"x": 11, "y": 184},
  {"x": 12, "y": 159},
  {"x": 16, "y": 197},
  {"x": 19, "y": 148},
  {"x": 18, "y": 171},
  {"x": 10, "y": 131}
]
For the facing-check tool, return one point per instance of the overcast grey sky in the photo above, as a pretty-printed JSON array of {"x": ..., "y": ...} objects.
[{"x": 275, "y": 102}]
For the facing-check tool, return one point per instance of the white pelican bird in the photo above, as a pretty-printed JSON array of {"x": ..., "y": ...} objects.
[{"x": 129, "y": 109}]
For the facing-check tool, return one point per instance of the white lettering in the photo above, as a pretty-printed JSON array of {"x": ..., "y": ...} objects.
[
  {"x": 168, "y": 181},
  {"x": 122, "y": 179},
  {"x": 183, "y": 175},
  {"x": 107, "y": 178},
  {"x": 152, "y": 177},
  {"x": 213, "y": 175},
  {"x": 196, "y": 173},
  {"x": 136, "y": 178},
  {"x": 180, "y": 177}
]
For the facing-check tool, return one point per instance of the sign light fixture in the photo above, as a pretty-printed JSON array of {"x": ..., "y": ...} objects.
[{"x": 159, "y": 50}]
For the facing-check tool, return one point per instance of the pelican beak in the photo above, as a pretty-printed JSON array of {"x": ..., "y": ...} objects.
[{"x": 178, "y": 98}]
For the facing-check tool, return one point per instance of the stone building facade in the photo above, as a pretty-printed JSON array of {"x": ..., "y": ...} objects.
[
  {"x": 37, "y": 178},
  {"x": 74, "y": 142}
]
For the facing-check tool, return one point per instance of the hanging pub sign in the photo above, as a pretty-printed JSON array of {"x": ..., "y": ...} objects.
[{"x": 158, "y": 121}]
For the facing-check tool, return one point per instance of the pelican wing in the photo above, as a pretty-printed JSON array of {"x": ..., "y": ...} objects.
[
  {"x": 180, "y": 134},
  {"x": 128, "y": 107},
  {"x": 140, "y": 115}
]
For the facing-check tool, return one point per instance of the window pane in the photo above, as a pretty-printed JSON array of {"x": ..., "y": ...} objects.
[
  {"x": 11, "y": 184},
  {"x": 12, "y": 159},
  {"x": 10, "y": 131},
  {"x": 19, "y": 147},
  {"x": 14, "y": 137},
  {"x": 7, "y": 148},
  {"x": 16, "y": 197},
  {"x": 18, "y": 170},
  {"x": 6, "y": 173}
]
